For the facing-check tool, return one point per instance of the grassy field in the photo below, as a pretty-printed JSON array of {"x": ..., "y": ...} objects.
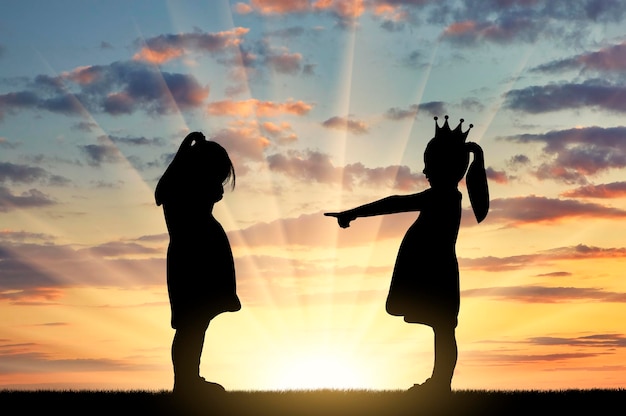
[{"x": 315, "y": 402}]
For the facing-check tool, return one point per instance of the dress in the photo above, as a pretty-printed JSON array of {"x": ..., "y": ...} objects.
[
  {"x": 200, "y": 267},
  {"x": 425, "y": 282}
]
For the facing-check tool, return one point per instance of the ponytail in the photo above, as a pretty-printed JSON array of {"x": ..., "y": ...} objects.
[{"x": 476, "y": 181}]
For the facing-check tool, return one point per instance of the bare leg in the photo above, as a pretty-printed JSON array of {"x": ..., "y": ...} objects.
[
  {"x": 446, "y": 354},
  {"x": 186, "y": 353}
]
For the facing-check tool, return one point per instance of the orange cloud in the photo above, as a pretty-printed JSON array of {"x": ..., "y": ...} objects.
[
  {"x": 611, "y": 58},
  {"x": 243, "y": 139},
  {"x": 82, "y": 75},
  {"x": 497, "y": 176},
  {"x": 542, "y": 294},
  {"x": 344, "y": 9},
  {"x": 247, "y": 108},
  {"x": 158, "y": 57},
  {"x": 243, "y": 8},
  {"x": 390, "y": 12},
  {"x": 460, "y": 28},
  {"x": 347, "y": 9},
  {"x": 609, "y": 190},
  {"x": 534, "y": 209},
  {"x": 542, "y": 258},
  {"x": 282, "y": 132},
  {"x": 164, "y": 48},
  {"x": 279, "y": 6}
]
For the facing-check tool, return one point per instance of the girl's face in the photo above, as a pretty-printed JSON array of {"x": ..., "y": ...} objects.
[
  {"x": 436, "y": 177},
  {"x": 443, "y": 171},
  {"x": 215, "y": 191}
]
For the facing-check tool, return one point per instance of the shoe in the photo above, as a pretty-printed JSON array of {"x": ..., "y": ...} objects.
[
  {"x": 210, "y": 386},
  {"x": 197, "y": 387},
  {"x": 430, "y": 387}
]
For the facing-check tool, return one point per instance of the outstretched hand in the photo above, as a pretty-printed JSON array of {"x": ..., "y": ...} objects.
[{"x": 342, "y": 218}]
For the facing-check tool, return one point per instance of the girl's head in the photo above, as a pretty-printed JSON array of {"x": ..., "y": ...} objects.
[
  {"x": 446, "y": 157},
  {"x": 446, "y": 160},
  {"x": 209, "y": 166}
]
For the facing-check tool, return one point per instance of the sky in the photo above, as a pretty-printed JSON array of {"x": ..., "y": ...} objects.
[{"x": 323, "y": 105}]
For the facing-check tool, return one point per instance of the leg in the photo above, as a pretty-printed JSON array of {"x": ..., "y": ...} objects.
[
  {"x": 446, "y": 354},
  {"x": 445, "y": 362},
  {"x": 186, "y": 353}
]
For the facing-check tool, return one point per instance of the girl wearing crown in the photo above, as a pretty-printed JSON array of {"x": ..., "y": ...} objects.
[{"x": 425, "y": 282}]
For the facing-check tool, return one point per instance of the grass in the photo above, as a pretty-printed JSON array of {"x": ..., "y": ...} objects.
[{"x": 315, "y": 402}]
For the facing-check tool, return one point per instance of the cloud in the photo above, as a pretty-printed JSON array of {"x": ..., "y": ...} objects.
[
  {"x": 103, "y": 152},
  {"x": 533, "y": 209},
  {"x": 518, "y": 160},
  {"x": 10, "y": 172},
  {"x": 542, "y": 258},
  {"x": 13, "y": 101},
  {"x": 38, "y": 362},
  {"x": 611, "y": 59},
  {"x": 543, "y": 294},
  {"x": 132, "y": 141},
  {"x": 314, "y": 166},
  {"x": 123, "y": 87},
  {"x": 434, "y": 108},
  {"x": 287, "y": 33},
  {"x": 285, "y": 62},
  {"x": 309, "y": 167},
  {"x": 38, "y": 272},
  {"x": 415, "y": 59},
  {"x": 85, "y": 126},
  {"x": 282, "y": 133},
  {"x": 346, "y": 12},
  {"x": 343, "y": 123},
  {"x": 268, "y": 7},
  {"x": 115, "y": 249},
  {"x": 258, "y": 108},
  {"x": 471, "y": 22},
  {"x": 497, "y": 176},
  {"x": 608, "y": 190},
  {"x": 597, "y": 340},
  {"x": 32, "y": 198},
  {"x": 555, "y": 274},
  {"x": 243, "y": 139},
  {"x": 525, "y": 358},
  {"x": 505, "y": 30},
  {"x": 21, "y": 236},
  {"x": 599, "y": 94},
  {"x": 579, "y": 152},
  {"x": 15, "y": 173},
  {"x": 164, "y": 48}
]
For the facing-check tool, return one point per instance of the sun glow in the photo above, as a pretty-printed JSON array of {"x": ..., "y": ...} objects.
[{"x": 320, "y": 371}]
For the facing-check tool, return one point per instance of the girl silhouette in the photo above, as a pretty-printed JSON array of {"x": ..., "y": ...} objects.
[
  {"x": 200, "y": 267},
  {"x": 425, "y": 282}
]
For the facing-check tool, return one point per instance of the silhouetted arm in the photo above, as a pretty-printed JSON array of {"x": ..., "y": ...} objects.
[{"x": 389, "y": 205}]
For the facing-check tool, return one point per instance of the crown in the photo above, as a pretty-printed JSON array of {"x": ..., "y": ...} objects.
[{"x": 457, "y": 135}]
